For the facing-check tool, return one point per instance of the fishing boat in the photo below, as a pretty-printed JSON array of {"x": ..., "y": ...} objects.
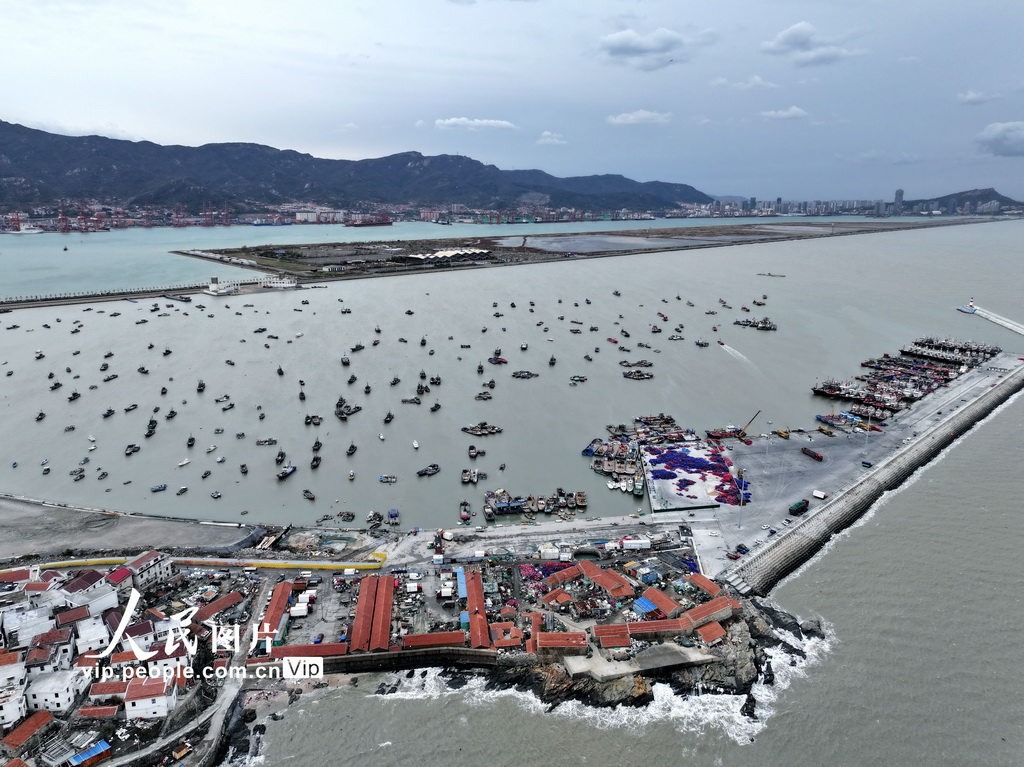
[
  {"x": 387, "y": 479},
  {"x": 315, "y": 463},
  {"x": 278, "y": 459},
  {"x": 183, "y": 463},
  {"x": 394, "y": 518},
  {"x": 286, "y": 472},
  {"x": 244, "y": 469},
  {"x": 381, "y": 436},
  {"x": 351, "y": 449},
  {"x": 351, "y": 475},
  {"x": 464, "y": 510},
  {"x": 308, "y": 495},
  {"x": 215, "y": 494},
  {"x": 429, "y": 471},
  {"x": 968, "y": 308},
  {"x": 206, "y": 474},
  {"x": 182, "y": 490},
  {"x": 211, "y": 448},
  {"x": 389, "y": 417},
  {"x": 415, "y": 445},
  {"x": 154, "y": 489}
]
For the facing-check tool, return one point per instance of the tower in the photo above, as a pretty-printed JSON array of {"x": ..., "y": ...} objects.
[{"x": 897, "y": 205}]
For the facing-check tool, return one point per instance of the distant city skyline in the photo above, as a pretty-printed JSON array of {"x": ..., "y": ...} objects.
[{"x": 800, "y": 100}]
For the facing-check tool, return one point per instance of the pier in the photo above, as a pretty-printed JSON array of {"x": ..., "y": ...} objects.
[{"x": 763, "y": 568}]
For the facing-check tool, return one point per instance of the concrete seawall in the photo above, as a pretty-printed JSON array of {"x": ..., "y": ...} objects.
[{"x": 760, "y": 571}]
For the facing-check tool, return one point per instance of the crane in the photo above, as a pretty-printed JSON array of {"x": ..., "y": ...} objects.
[{"x": 743, "y": 432}]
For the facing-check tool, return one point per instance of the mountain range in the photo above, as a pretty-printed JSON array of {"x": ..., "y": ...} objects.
[{"x": 37, "y": 168}]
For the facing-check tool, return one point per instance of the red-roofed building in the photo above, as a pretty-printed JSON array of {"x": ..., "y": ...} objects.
[
  {"x": 15, "y": 576},
  {"x": 29, "y": 731},
  {"x": 558, "y": 597},
  {"x": 97, "y": 712},
  {"x": 101, "y": 691},
  {"x": 559, "y": 577},
  {"x": 704, "y": 583},
  {"x": 69, "y": 617},
  {"x": 479, "y": 636},
  {"x": 383, "y": 603},
  {"x": 51, "y": 575},
  {"x": 86, "y": 661},
  {"x": 662, "y": 629},
  {"x": 438, "y": 639},
  {"x": 711, "y": 633},
  {"x": 614, "y": 584},
  {"x": 84, "y": 582},
  {"x": 150, "y": 698},
  {"x": 558, "y": 643},
  {"x": 143, "y": 632},
  {"x": 362, "y": 624},
  {"x": 12, "y": 669},
  {"x": 718, "y": 609},
  {"x": 120, "y": 579},
  {"x": 667, "y": 606},
  {"x": 50, "y": 651},
  {"x": 506, "y": 635},
  {"x": 217, "y": 606},
  {"x": 275, "y": 618},
  {"x": 16, "y": 763}
]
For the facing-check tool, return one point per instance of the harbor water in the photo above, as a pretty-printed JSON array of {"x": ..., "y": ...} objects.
[{"x": 920, "y": 666}]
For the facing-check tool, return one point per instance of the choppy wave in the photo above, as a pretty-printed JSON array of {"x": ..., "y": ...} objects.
[{"x": 697, "y": 714}]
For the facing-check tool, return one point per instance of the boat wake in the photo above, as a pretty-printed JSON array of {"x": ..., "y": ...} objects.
[{"x": 739, "y": 355}]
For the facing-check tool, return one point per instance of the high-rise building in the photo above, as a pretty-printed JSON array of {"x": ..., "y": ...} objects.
[{"x": 897, "y": 206}]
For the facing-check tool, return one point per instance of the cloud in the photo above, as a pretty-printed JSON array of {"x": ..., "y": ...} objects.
[
  {"x": 1003, "y": 139},
  {"x": 639, "y": 117},
  {"x": 754, "y": 81},
  {"x": 656, "y": 50},
  {"x": 793, "y": 113},
  {"x": 472, "y": 123},
  {"x": 973, "y": 98},
  {"x": 807, "y": 47},
  {"x": 547, "y": 137}
]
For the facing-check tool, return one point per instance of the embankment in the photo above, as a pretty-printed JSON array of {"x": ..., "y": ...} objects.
[{"x": 759, "y": 572}]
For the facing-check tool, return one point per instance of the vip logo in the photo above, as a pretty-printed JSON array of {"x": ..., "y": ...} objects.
[{"x": 302, "y": 668}]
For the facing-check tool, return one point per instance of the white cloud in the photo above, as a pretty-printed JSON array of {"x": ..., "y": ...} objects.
[
  {"x": 639, "y": 117},
  {"x": 419, "y": 123},
  {"x": 656, "y": 50},
  {"x": 1003, "y": 139},
  {"x": 547, "y": 137},
  {"x": 754, "y": 81},
  {"x": 793, "y": 113},
  {"x": 807, "y": 47},
  {"x": 472, "y": 123},
  {"x": 973, "y": 98}
]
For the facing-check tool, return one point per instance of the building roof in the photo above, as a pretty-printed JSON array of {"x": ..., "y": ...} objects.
[
  {"x": 359, "y": 639},
  {"x": 663, "y": 602},
  {"x": 139, "y": 628},
  {"x": 380, "y": 634},
  {"x": 217, "y": 606},
  {"x": 705, "y": 584},
  {"x": 83, "y": 581},
  {"x": 86, "y": 661},
  {"x": 711, "y": 632},
  {"x": 139, "y": 689},
  {"x": 36, "y": 587},
  {"x": 7, "y": 658},
  {"x": 558, "y": 596},
  {"x": 16, "y": 763},
  {"x": 51, "y": 575},
  {"x": 143, "y": 559},
  {"x": 322, "y": 650},
  {"x": 479, "y": 636},
  {"x": 119, "y": 575},
  {"x": 612, "y": 582},
  {"x": 97, "y": 712},
  {"x": 561, "y": 639},
  {"x": 705, "y": 613},
  {"x": 15, "y": 576},
  {"x": 20, "y": 735},
  {"x": 614, "y": 641},
  {"x": 437, "y": 639},
  {"x": 106, "y": 689},
  {"x": 277, "y": 607},
  {"x": 53, "y": 636},
  {"x": 71, "y": 616},
  {"x": 561, "y": 576}
]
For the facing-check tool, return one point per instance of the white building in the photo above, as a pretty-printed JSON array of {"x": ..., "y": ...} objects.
[
  {"x": 150, "y": 698},
  {"x": 56, "y": 691},
  {"x": 12, "y": 705},
  {"x": 149, "y": 569}
]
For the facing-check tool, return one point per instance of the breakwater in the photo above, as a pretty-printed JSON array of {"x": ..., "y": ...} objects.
[{"x": 763, "y": 569}]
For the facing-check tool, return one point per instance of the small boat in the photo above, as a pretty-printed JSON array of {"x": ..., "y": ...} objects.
[
  {"x": 315, "y": 463},
  {"x": 308, "y": 495},
  {"x": 351, "y": 449},
  {"x": 184, "y": 463},
  {"x": 428, "y": 471},
  {"x": 968, "y": 308},
  {"x": 206, "y": 474},
  {"x": 279, "y": 459},
  {"x": 154, "y": 489},
  {"x": 435, "y": 407},
  {"x": 415, "y": 445},
  {"x": 244, "y": 468},
  {"x": 211, "y": 448},
  {"x": 215, "y": 494},
  {"x": 351, "y": 475},
  {"x": 201, "y": 386},
  {"x": 131, "y": 407},
  {"x": 389, "y": 417},
  {"x": 40, "y": 416},
  {"x": 381, "y": 436},
  {"x": 221, "y": 459},
  {"x": 182, "y": 490},
  {"x": 286, "y": 472}
]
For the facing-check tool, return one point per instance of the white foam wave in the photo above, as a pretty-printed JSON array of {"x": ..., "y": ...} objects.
[{"x": 692, "y": 714}]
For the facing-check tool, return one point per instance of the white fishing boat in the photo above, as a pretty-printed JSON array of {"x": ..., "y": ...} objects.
[
  {"x": 415, "y": 445},
  {"x": 183, "y": 463}
]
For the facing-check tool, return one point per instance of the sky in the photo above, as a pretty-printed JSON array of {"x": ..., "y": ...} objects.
[{"x": 799, "y": 99}]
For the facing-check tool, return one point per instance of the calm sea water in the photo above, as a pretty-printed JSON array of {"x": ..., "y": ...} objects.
[{"x": 921, "y": 666}]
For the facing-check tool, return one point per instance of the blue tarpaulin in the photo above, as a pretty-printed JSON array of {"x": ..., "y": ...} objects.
[
  {"x": 644, "y": 606},
  {"x": 97, "y": 748},
  {"x": 460, "y": 577}
]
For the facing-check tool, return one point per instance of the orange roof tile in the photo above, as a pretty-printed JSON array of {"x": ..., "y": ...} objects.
[
  {"x": 323, "y": 650},
  {"x": 19, "y": 736},
  {"x": 98, "y": 712},
  {"x": 437, "y": 639},
  {"x": 711, "y": 632},
  {"x": 705, "y": 584}
]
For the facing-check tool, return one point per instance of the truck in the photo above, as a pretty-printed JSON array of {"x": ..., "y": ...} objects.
[
  {"x": 799, "y": 507},
  {"x": 819, "y": 495},
  {"x": 811, "y": 453}
]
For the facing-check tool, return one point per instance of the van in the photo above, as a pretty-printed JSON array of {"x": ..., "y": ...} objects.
[{"x": 819, "y": 495}]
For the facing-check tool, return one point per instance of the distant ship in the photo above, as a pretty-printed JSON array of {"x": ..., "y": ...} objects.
[
  {"x": 970, "y": 308},
  {"x": 23, "y": 230}
]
